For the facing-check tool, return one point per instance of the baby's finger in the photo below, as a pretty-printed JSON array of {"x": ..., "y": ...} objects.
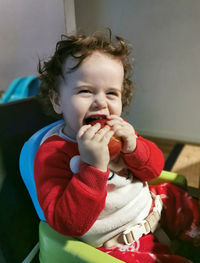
[
  {"x": 100, "y": 134},
  {"x": 114, "y": 121},
  {"x": 108, "y": 136},
  {"x": 114, "y": 117},
  {"x": 82, "y": 130},
  {"x": 91, "y": 131}
]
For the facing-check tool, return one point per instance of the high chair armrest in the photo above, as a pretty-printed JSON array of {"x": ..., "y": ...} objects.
[{"x": 170, "y": 177}]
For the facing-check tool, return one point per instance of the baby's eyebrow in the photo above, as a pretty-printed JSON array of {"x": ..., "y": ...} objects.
[{"x": 114, "y": 89}]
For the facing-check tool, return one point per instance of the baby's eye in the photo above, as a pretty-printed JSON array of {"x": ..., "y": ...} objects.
[
  {"x": 84, "y": 91},
  {"x": 112, "y": 93}
]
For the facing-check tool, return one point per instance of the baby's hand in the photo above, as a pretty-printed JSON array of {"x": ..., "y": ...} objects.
[
  {"x": 93, "y": 145},
  {"x": 125, "y": 131}
]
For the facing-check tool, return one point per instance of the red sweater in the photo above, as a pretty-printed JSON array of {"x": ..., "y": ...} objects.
[{"x": 72, "y": 202}]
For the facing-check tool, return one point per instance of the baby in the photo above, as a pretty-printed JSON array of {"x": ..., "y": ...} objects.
[{"x": 83, "y": 190}]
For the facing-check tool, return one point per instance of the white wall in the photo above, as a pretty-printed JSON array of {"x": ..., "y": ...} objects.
[
  {"x": 28, "y": 30},
  {"x": 166, "y": 40}
]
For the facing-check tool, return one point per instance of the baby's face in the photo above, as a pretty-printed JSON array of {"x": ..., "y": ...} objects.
[{"x": 92, "y": 91}]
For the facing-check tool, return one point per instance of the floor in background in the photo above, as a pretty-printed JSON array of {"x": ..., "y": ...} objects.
[
  {"x": 188, "y": 164},
  {"x": 182, "y": 158},
  {"x": 165, "y": 145}
]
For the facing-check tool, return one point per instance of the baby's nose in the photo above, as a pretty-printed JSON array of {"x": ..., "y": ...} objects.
[{"x": 100, "y": 100}]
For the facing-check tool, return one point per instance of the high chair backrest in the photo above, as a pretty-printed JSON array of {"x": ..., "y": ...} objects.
[{"x": 26, "y": 164}]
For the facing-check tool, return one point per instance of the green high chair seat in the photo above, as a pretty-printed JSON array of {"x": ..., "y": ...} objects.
[{"x": 58, "y": 248}]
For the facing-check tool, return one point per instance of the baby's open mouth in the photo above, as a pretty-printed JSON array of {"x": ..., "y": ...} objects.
[{"x": 95, "y": 119}]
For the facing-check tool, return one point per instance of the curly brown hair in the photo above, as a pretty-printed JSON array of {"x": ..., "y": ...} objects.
[{"x": 81, "y": 46}]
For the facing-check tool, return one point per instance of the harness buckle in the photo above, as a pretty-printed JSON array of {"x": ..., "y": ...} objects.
[{"x": 134, "y": 233}]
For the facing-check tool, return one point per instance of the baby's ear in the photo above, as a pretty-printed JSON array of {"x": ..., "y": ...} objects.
[{"x": 55, "y": 100}]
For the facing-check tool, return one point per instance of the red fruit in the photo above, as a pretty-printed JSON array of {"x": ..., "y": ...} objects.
[{"x": 115, "y": 143}]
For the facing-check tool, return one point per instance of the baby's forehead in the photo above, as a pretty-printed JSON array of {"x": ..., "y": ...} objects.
[{"x": 72, "y": 62}]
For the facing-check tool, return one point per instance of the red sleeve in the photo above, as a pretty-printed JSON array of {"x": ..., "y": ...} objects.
[
  {"x": 146, "y": 162},
  {"x": 71, "y": 202}
]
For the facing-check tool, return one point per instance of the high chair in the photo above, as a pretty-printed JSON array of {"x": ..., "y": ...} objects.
[{"x": 54, "y": 247}]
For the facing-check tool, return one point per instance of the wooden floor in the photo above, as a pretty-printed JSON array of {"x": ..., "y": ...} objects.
[{"x": 187, "y": 162}]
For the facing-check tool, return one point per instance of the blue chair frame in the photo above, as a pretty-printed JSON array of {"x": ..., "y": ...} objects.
[{"x": 26, "y": 164}]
